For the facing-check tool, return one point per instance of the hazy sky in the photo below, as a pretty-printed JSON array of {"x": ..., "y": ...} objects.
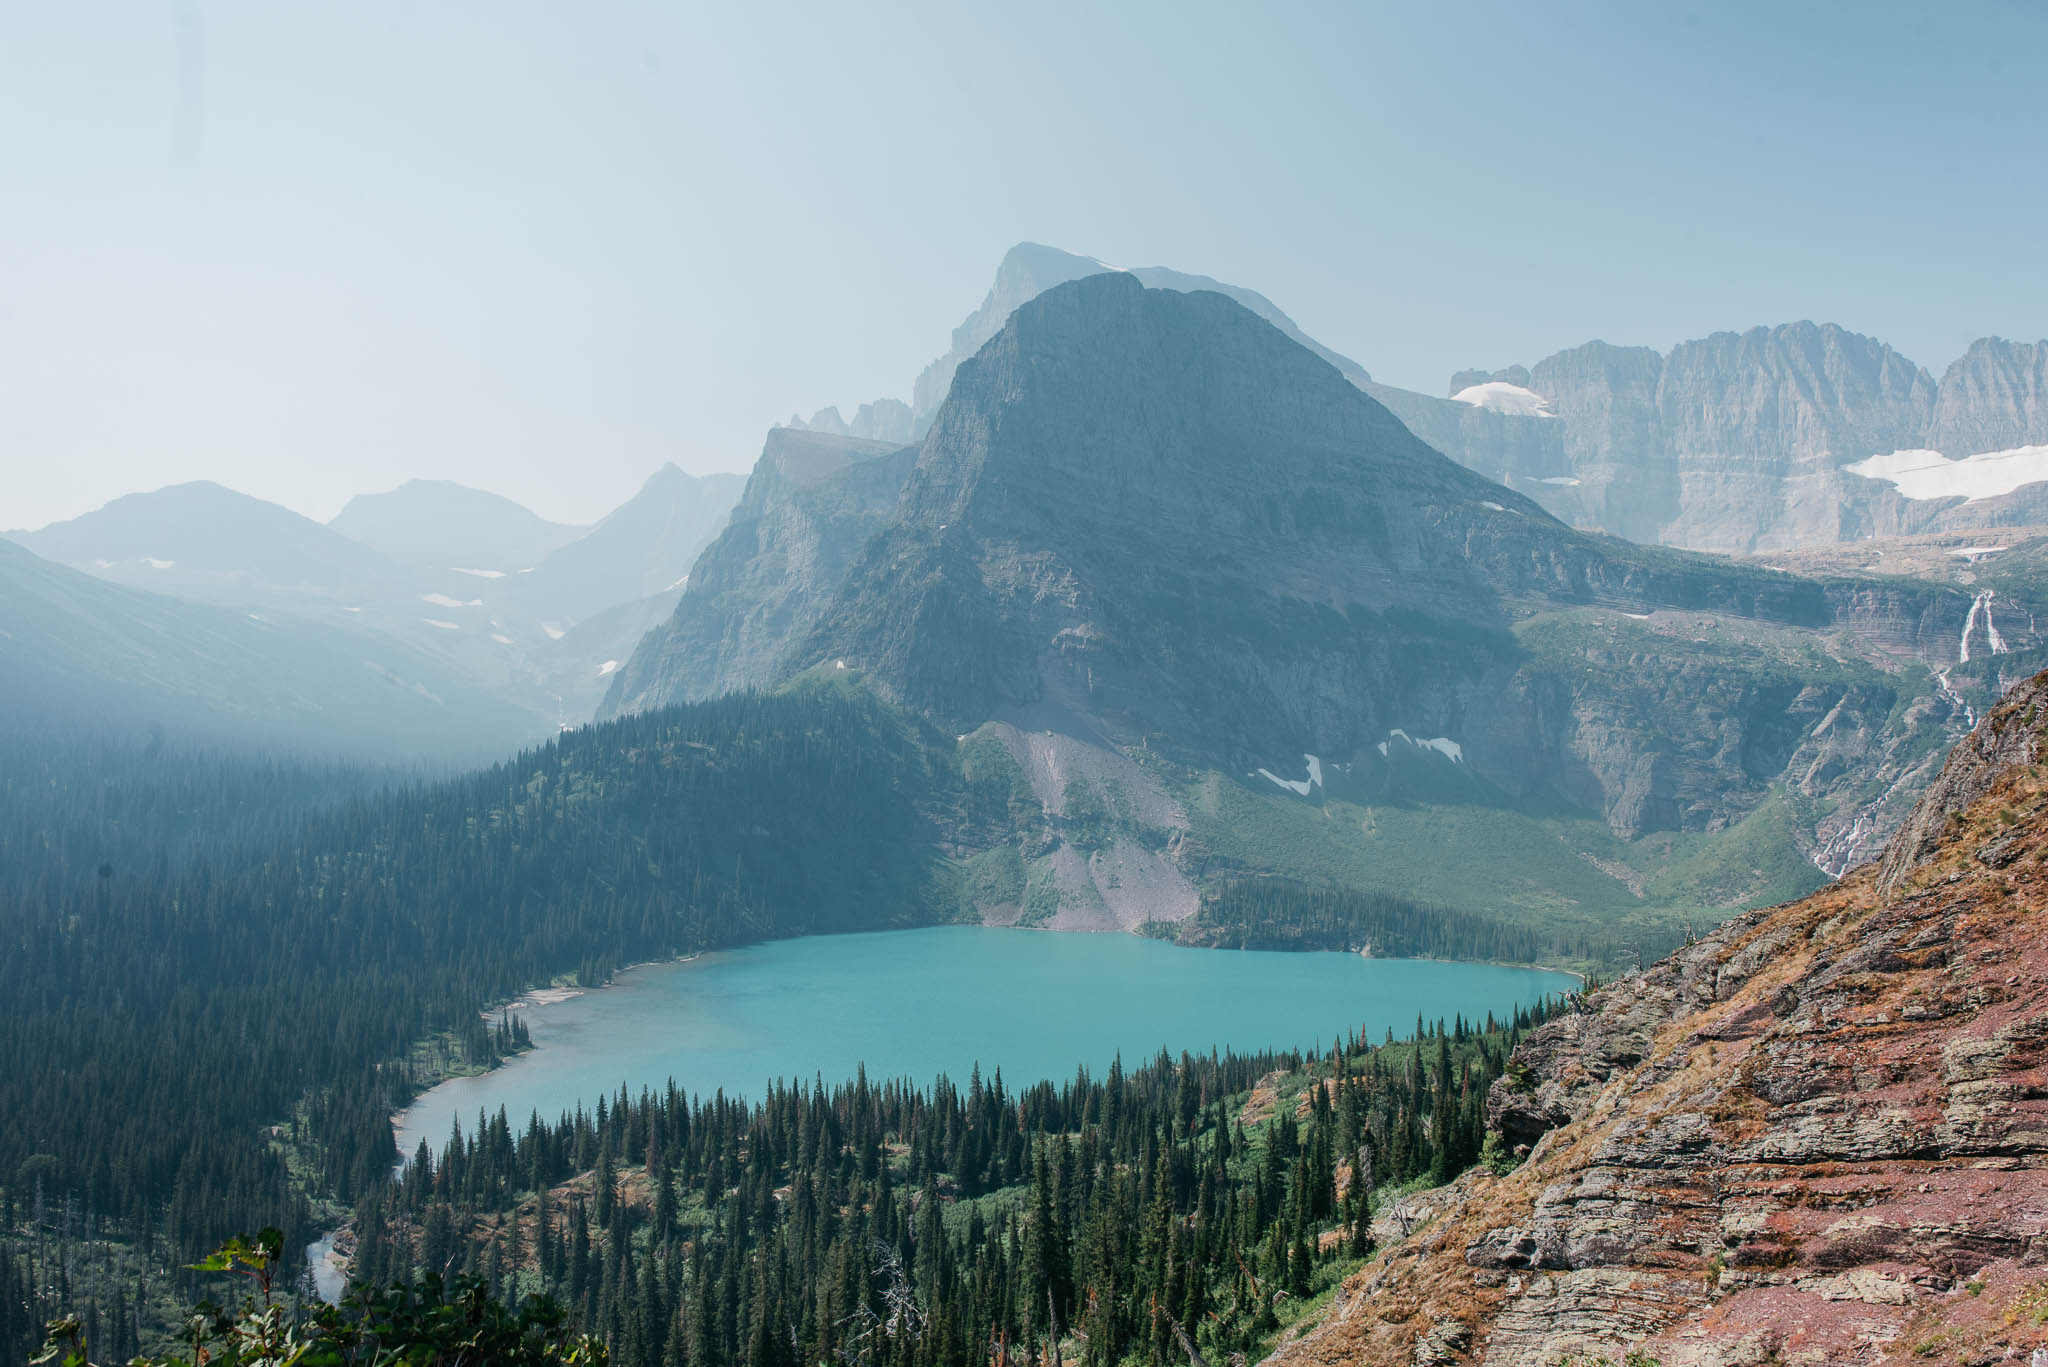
[{"x": 314, "y": 250}]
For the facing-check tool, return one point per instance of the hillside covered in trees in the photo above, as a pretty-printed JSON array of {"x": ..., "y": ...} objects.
[
  {"x": 197, "y": 949},
  {"x": 225, "y": 973}
]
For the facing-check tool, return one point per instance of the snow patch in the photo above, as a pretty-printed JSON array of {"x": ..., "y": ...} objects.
[
  {"x": 1443, "y": 745},
  {"x": 158, "y": 564},
  {"x": 1499, "y": 396},
  {"x": 480, "y": 574},
  {"x": 554, "y": 632},
  {"x": 442, "y": 600},
  {"x": 1975, "y": 553},
  {"x": 1495, "y": 506},
  {"x": 1568, "y": 481},
  {"x": 501, "y": 638},
  {"x": 1298, "y": 786},
  {"x": 437, "y": 622},
  {"x": 608, "y": 667},
  {"x": 1929, "y": 474}
]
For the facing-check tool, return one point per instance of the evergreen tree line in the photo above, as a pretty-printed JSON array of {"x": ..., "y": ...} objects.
[
  {"x": 1281, "y": 913},
  {"x": 947, "y": 1227},
  {"x": 173, "y": 1027},
  {"x": 89, "y": 805},
  {"x": 220, "y": 971}
]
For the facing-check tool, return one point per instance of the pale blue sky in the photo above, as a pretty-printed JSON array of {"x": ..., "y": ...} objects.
[{"x": 542, "y": 248}]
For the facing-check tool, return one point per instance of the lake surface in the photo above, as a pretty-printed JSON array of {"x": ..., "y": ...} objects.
[{"x": 916, "y": 1003}]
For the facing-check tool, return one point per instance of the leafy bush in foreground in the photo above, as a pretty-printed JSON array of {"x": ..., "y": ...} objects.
[{"x": 424, "y": 1325}]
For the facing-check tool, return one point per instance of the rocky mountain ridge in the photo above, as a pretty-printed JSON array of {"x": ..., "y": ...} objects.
[
  {"x": 1818, "y": 1135},
  {"x": 486, "y": 598},
  {"x": 812, "y": 500},
  {"x": 438, "y": 522},
  {"x": 1798, "y": 435},
  {"x": 1150, "y": 538},
  {"x": 80, "y": 653},
  {"x": 1737, "y": 442}
]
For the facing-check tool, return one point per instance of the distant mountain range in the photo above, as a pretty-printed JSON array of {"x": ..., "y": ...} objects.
[
  {"x": 1182, "y": 574},
  {"x": 436, "y": 521},
  {"x": 79, "y": 653},
  {"x": 471, "y": 589},
  {"x": 1790, "y": 436}
]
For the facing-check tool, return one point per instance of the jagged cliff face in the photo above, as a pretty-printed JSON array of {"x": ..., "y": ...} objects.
[
  {"x": 1994, "y": 399},
  {"x": 1148, "y": 509},
  {"x": 1819, "y": 1135},
  {"x": 1745, "y": 441},
  {"x": 884, "y": 420},
  {"x": 1153, "y": 514},
  {"x": 1761, "y": 418},
  {"x": 811, "y": 502},
  {"x": 1736, "y": 442}
]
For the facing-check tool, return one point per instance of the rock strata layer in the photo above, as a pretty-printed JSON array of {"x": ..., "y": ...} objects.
[{"x": 1817, "y": 1136}]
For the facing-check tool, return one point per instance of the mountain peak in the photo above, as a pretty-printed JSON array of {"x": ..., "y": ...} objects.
[
  {"x": 424, "y": 521},
  {"x": 1120, "y": 462},
  {"x": 1029, "y": 269}
]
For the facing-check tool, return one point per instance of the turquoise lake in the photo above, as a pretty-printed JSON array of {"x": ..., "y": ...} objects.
[{"x": 916, "y": 1003}]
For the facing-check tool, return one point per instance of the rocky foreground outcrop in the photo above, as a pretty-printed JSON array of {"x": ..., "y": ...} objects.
[{"x": 1819, "y": 1135}]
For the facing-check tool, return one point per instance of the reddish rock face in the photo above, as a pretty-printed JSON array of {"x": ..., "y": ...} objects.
[{"x": 1818, "y": 1136}]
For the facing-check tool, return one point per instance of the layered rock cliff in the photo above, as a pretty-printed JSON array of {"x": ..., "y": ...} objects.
[
  {"x": 1817, "y": 1136},
  {"x": 1735, "y": 442},
  {"x": 1153, "y": 510},
  {"x": 813, "y": 499},
  {"x": 1155, "y": 516},
  {"x": 1746, "y": 441},
  {"x": 1993, "y": 399}
]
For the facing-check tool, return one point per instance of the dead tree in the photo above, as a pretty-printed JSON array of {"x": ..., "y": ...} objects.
[{"x": 1187, "y": 1345}]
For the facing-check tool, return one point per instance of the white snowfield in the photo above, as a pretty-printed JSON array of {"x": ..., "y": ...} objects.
[
  {"x": 1568, "y": 481},
  {"x": 437, "y": 622},
  {"x": 1292, "y": 785},
  {"x": 1501, "y": 397},
  {"x": 1930, "y": 474},
  {"x": 1443, "y": 745},
  {"x": 481, "y": 574},
  {"x": 442, "y": 600},
  {"x": 608, "y": 667}
]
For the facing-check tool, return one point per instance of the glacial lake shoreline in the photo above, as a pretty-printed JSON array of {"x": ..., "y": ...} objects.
[{"x": 911, "y": 1005}]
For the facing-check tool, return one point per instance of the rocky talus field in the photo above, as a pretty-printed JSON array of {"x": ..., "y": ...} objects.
[{"x": 1818, "y": 1135}]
